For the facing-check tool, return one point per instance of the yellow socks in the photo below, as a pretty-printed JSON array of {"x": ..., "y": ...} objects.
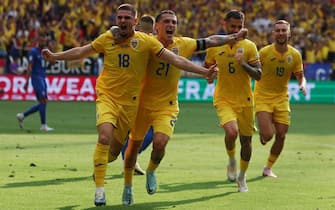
[
  {"x": 100, "y": 159},
  {"x": 231, "y": 155},
  {"x": 244, "y": 165},
  {"x": 152, "y": 166},
  {"x": 128, "y": 176},
  {"x": 271, "y": 160}
]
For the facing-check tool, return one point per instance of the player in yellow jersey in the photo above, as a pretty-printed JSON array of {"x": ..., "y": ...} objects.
[
  {"x": 159, "y": 97},
  {"x": 146, "y": 25},
  {"x": 279, "y": 61},
  {"x": 238, "y": 63},
  {"x": 126, "y": 56}
]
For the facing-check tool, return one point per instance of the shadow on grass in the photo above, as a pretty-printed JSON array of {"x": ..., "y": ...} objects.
[
  {"x": 68, "y": 207},
  {"x": 166, "y": 204},
  {"x": 175, "y": 187},
  {"x": 57, "y": 181},
  {"x": 257, "y": 178},
  {"x": 45, "y": 182}
]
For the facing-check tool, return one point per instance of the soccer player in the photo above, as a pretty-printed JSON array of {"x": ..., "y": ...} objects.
[
  {"x": 125, "y": 60},
  {"x": 238, "y": 63},
  {"x": 145, "y": 144},
  {"x": 279, "y": 61},
  {"x": 36, "y": 71},
  {"x": 159, "y": 97},
  {"x": 146, "y": 25}
]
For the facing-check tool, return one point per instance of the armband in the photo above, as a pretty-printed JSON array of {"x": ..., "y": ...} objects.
[{"x": 201, "y": 44}]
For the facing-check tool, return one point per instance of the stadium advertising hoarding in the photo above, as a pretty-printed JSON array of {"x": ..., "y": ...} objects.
[
  {"x": 318, "y": 71},
  {"x": 82, "y": 88},
  {"x": 60, "y": 88},
  {"x": 87, "y": 66},
  {"x": 197, "y": 89}
]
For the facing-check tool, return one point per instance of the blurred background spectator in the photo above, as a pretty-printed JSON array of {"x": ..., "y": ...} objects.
[{"x": 75, "y": 22}]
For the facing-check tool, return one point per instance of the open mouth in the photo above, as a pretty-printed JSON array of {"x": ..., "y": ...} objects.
[
  {"x": 123, "y": 27},
  {"x": 170, "y": 32}
]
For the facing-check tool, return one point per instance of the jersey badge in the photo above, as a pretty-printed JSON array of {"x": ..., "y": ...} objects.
[
  {"x": 175, "y": 50},
  {"x": 134, "y": 43}
]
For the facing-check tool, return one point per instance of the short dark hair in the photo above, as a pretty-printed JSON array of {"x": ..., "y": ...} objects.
[
  {"x": 128, "y": 7},
  {"x": 234, "y": 14},
  {"x": 159, "y": 16}
]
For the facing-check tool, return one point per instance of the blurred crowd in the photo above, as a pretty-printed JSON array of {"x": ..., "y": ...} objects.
[{"x": 71, "y": 23}]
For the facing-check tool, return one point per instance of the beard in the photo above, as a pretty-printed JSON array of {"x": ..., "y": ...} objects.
[{"x": 282, "y": 41}]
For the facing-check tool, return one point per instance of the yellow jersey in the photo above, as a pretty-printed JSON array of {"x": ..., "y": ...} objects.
[
  {"x": 277, "y": 69},
  {"x": 160, "y": 86},
  {"x": 125, "y": 65},
  {"x": 233, "y": 82}
]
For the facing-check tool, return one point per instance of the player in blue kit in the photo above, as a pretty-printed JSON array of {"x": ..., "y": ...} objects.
[{"x": 36, "y": 71}]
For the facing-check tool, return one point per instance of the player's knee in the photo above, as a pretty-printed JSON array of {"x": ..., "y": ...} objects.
[
  {"x": 232, "y": 134},
  {"x": 104, "y": 139},
  {"x": 159, "y": 145},
  {"x": 266, "y": 136}
]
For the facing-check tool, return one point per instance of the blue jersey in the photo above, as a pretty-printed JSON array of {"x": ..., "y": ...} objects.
[
  {"x": 38, "y": 73},
  {"x": 36, "y": 60}
]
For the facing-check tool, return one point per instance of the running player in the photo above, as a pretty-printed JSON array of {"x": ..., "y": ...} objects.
[
  {"x": 279, "y": 61},
  {"x": 238, "y": 63},
  {"x": 126, "y": 56}
]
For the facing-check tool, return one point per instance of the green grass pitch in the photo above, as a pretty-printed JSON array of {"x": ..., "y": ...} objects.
[{"x": 53, "y": 170}]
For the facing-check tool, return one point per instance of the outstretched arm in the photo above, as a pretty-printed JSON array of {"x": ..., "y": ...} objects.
[
  {"x": 218, "y": 40},
  {"x": 71, "y": 54},
  {"x": 187, "y": 65}
]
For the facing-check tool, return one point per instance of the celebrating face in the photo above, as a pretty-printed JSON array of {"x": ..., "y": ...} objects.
[
  {"x": 281, "y": 33},
  {"x": 126, "y": 22}
]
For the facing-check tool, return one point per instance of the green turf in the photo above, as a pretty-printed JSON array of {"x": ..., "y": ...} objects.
[{"x": 53, "y": 170}]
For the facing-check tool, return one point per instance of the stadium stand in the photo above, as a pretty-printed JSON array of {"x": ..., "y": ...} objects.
[{"x": 74, "y": 22}]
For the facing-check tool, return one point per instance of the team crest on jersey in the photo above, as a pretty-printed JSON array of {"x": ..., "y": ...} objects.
[
  {"x": 175, "y": 50},
  {"x": 134, "y": 43},
  {"x": 289, "y": 59}
]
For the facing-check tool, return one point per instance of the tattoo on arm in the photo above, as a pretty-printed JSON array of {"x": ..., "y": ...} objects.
[{"x": 254, "y": 71}]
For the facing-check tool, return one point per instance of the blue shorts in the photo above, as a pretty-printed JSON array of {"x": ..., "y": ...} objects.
[{"x": 40, "y": 87}]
